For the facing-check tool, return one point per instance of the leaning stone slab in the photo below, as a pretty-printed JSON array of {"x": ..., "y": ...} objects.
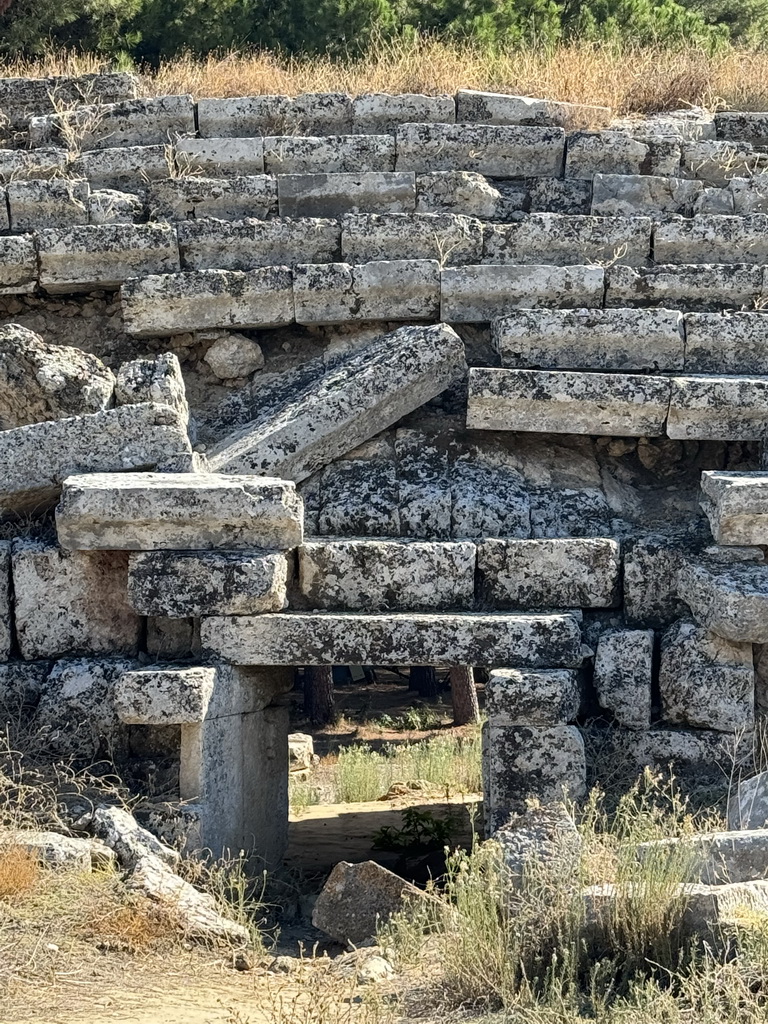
[
  {"x": 176, "y": 199},
  {"x": 318, "y": 113},
  {"x": 175, "y": 511},
  {"x": 330, "y": 154},
  {"x": 590, "y": 339},
  {"x": 500, "y": 151},
  {"x": 246, "y": 244},
  {"x": 730, "y": 600},
  {"x": 547, "y": 238},
  {"x": 736, "y": 505},
  {"x": 377, "y": 575},
  {"x": 718, "y": 408},
  {"x": 562, "y": 402},
  {"x": 451, "y": 239},
  {"x": 104, "y": 256},
  {"x": 549, "y": 573},
  {"x": 630, "y": 195},
  {"x": 215, "y": 158},
  {"x": 18, "y": 265},
  {"x": 58, "y": 203},
  {"x": 330, "y": 293},
  {"x": 333, "y": 195},
  {"x": 543, "y": 697},
  {"x": 726, "y": 343},
  {"x": 126, "y": 168},
  {"x": 163, "y": 304},
  {"x": 358, "y": 899},
  {"x": 715, "y": 858},
  {"x": 478, "y": 293},
  {"x": 520, "y": 641},
  {"x": 608, "y": 152},
  {"x": 702, "y": 286},
  {"x": 379, "y": 112},
  {"x": 623, "y": 676},
  {"x": 500, "y": 108},
  {"x": 163, "y": 695},
  {"x": 712, "y": 240},
  {"x": 143, "y": 122},
  {"x": 319, "y": 420},
  {"x": 190, "y": 584},
  {"x": 36, "y": 459}
]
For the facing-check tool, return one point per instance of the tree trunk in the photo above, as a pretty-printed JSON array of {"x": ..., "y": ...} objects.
[
  {"x": 424, "y": 680},
  {"x": 319, "y": 703},
  {"x": 464, "y": 695}
]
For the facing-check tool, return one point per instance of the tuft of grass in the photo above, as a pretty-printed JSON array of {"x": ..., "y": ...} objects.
[{"x": 19, "y": 871}]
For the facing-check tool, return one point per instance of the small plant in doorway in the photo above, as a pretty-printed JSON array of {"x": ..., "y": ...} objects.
[{"x": 421, "y": 832}]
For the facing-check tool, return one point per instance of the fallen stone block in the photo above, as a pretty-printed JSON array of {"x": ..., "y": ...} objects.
[
  {"x": 126, "y": 168},
  {"x": 52, "y": 850},
  {"x": 562, "y": 402},
  {"x": 623, "y": 676},
  {"x": 136, "y": 122},
  {"x": 365, "y": 392},
  {"x": 245, "y": 116},
  {"x": 736, "y": 505},
  {"x": 599, "y": 339},
  {"x": 245, "y": 244},
  {"x": 358, "y": 898},
  {"x": 328, "y": 293},
  {"x": 23, "y": 164},
  {"x": 702, "y": 286},
  {"x": 610, "y": 153},
  {"x": 163, "y": 304},
  {"x": 157, "y": 380},
  {"x": 163, "y": 695},
  {"x": 214, "y": 158},
  {"x": 18, "y": 265},
  {"x": 58, "y": 203},
  {"x": 176, "y": 511},
  {"x": 547, "y": 238},
  {"x": 451, "y": 239},
  {"x": 333, "y": 195},
  {"x": 546, "y": 697},
  {"x": 540, "y": 838},
  {"x": 500, "y": 151},
  {"x": 726, "y": 343},
  {"x": 464, "y": 193},
  {"x": 119, "y": 830},
  {"x": 379, "y": 112},
  {"x": 730, "y": 600},
  {"x": 176, "y": 199},
  {"x": 718, "y": 408},
  {"x": 738, "y": 126},
  {"x": 301, "y": 752},
  {"x": 714, "y": 858},
  {"x": 631, "y": 195},
  {"x": 479, "y": 293},
  {"x": 375, "y": 575},
  {"x": 706, "y": 681},
  {"x": 500, "y": 108},
  {"x": 106, "y": 206},
  {"x": 748, "y": 805},
  {"x": 22, "y": 98},
  {"x": 330, "y": 154},
  {"x": 712, "y": 240}
]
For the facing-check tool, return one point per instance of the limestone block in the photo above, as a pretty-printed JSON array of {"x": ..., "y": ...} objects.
[
  {"x": 174, "y": 511},
  {"x": 502, "y": 151},
  {"x": 717, "y": 162},
  {"x": 58, "y": 203},
  {"x": 706, "y": 681},
  {"x": 71, "y": 603},
  {"x": 623, "y": 676},
  {"x": 451, "y": 239},
  {"x": 6, "y": 612},
  {"x": 164, "y": 696},
  {"x": 328, "y": 293},
  {"x": 714, "y": 200},
  {"x": 749, "y": 195},
  {"x": 566, "y": 196},
  {"x": 717, "y": 858},
  {"x": 107, "y": 206},
  {"x": 301, "y": 751},
  {"x": 732, "y": 342},
  {"x": 143, "y": 122},
  {"x": 216, "y": 158},
  {"x": 544, "y": 573},
  {"x": 712, "y": 240},
  {"x": 501, "y": 108},
  {"x": 567, "y": 402},
  {"x": 358, "y": 899},
  {"x": 36, "y": 459},
  {"x": 424, "y": 494},
  {"x": 46, "y": 382},
  {"x": 193, "y": 583},
  {"x": 174, "y": 303},
  {"x": 333, "y": 195},
  {"x": 175, "y": 199},
  {"x": 249, "y": 243},
  {"x": 488, "y": 501},
  {"x": 599, "y": 339},
  {"x": 628, "y": 195},
  {"x": 609, "y": 152},
  {"x": 542, "y": 238},
  {"x": 377, "y": 575},
  {"x": 156, "y": 380},
  {"x": 479, "y": 293},
  {"x": 651, "y": 566},
  {"x": 362, "y": 394},
  {"x": 359, "y": 497},
  {"x": 718, "y": 408},
  {"x": 730, "y": 600},
  {"x": 320, "y": 113},
  {"x": 461, "y": 192},
  {"x": 684, "y": 125},
  {"x": 126, "y": 168},
  {"x": 330, "y": 154},
  {"x": 22, "y": 164},
  {"x": 18, "y": 265},
  {"x": 568, "y": 512},
  {"x": 546, "y": 697},
  {"x": 694, "y": 286},
  {"x": 20, "y": 98},
  {"x": 21, "y": 683},
  {"x": 53, "y": 850},
  {"x": 104, "y": 255},
  {"x": 684, "y": 749},
  {"x": 737, "y": 126},
  {"x": 736, "y": 505},
  {"x": 376, "y": 112}
]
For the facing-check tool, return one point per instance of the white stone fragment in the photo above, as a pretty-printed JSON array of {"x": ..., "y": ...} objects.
[
  {"x": 214, "y": 158},
  {"x": 233, "y": 356},
  {"x": 500, "y": 151},
  {"x": 329, "y": 154},
  {"x": 689, "y": 286},
  {"x": 376, "y": 112},
  {"x": 245, "y": 244},
  {"x": 610, "y": 152},
  {"x": 623, "y": 676},
  {"x": 127, "y": 168},
  {"x": 175, "y": 199},
  {"x": 329, "y": 293},
  {"x": 451, "y": 239},
  {"x": 162, "y": 695},
  {"x": 542, "y": 697},
  {"x": 501, "y": 108},
  {"x": 629, "y": 195},
  {"x": 730, "y": 600},
  {"x": 548, "y": 238},
  {"x": 718, "y": 408},
  {"x": 58, "y": 203},
  {"x": 478, "y": 293},
  {"x": 333, "y": 195},
  {"x": 18, "y": 265},
  {"x": 726, "y": 343},
  {"x": 736, "y": 505}
]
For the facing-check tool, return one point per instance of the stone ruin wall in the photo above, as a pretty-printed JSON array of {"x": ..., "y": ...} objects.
[{"x": 389, "y": 379}]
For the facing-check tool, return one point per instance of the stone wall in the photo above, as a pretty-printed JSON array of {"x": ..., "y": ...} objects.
[{"x": 422, "y": 380}]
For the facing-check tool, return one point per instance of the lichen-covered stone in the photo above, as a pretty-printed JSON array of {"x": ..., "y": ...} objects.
[
  {"x": 712, "y": 240},
  {"x": 18, "y": 265},
  {"x": 716, "y": 161},
  {"x": 157, "y": 380},
  {"x": 623, "y": 676},
  {"x": 690, "y": 286},
  {"x": 376, "y": 112},
  {"x": 610, "y": 152},
  {"x": 547, "y": 238},
  {"x": 58, "y": 203},
  {"x": 736, "y": 505},
  {"x": 726, "y": 343},
  {"x": 107, "y": 206},
  {"x": 569, "y": 512},
  {"x": 21, "y": 164},
  {"x": 451, "y": 239},
  {"x": 22, "y": 98},
  {"x": 718, "y": 408},
  {"x": 126, "y": 168},
  {"x": 358, "y": 899},
  {"x": 466, "y": 193},
  {"x": 330, "y": 154},
  {"x": 543, "y": 697},
  {"x": 630, "y": 195},
  {"x": 699, "y": 750},
  {"x": 215, "y": 158},
  {"x": 478, "y": 293},
  {"x": 329, "y": 293},
  {"x": 162, "y": 695},
  {"x": 750, "y": 126},
  {"x": 424, "y": 494},
  {"x": 21, "y": 683},
  {"x": 730, "y": 600},
  {"x": 501, "y": 108},
  {"x": 651, "y": 565},
  {"x": 359, "y": 497},
  {"x": 333, "y": 195},
  {"x": 245, "y": 244},
  {"x": 501, "y": 151},
  {"x": 488, "y": 501},
  {"x": 174, "y": 199},
  {"x": 748, "y": 195},
  {"x": 313, "y": 113},
  {"x": 141, "y": 122}
]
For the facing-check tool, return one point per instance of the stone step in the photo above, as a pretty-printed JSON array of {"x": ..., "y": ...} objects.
[
  {"x": 643, "y": 195},
  {"x": 517, "y": 641},
  {"x": 22, "y": 98},
  {"x": 474, "y": 294},
  {"x": 501, "y": 108},
  {"x": 134, "y": 122},
  {"x": 701, "y": 286},
  {"x": 177, "y": 199},
  {"x": 501, "y": 151},
  {"x": 712, "y": 239},
  {"x": 736, "y": 505},
  {"x": 452, "y": 239},
  {"x": 612, "y": 152},
  {"x": 176, "y": 511},
  {"x": 211, "y": 244},
  {"x": 548, "y": 238},
  {"x": 728, "y": 599},
  {"x": 333, "y": 195}
]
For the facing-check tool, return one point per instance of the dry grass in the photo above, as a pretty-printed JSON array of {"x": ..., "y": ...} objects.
[{"x": 19, "y": 871}]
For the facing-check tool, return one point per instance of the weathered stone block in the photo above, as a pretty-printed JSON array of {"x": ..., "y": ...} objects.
[
  {"x": 451, "y": 239},
  {"x": 333, "y": 195},
  {"x": 328, "y": 293},
  {"x": 705, "y": 681},
  {"x": 607, "y": 152},
  {"x": 569, "y": 512},
  {"x": 498, "y": 150},
  {"x": 718, "y": 408},
  {"x": 164, "y": 696},
  {"x": 748, "y": 806},
  {"x": 692, "y": 286},
  {"x": 424, "y": 494},
  {"x": 215, "y": 158},
  {"x": 479, "y": 293},
  {"x": 629, "y": 195},
  {"x": 376, "y": 575},
  {"x": 730, "y": 600},
  {"x": 319, "y": 113},
  {"x": 751, "y": 126},
  {"x": 58, "y": 203},
  {"x": 557, "y": 573},
  {"x": 376, "y": 112},
  {"x": 330, "y": 154},
  {"x": 176, "y": 199},
  {"x": 712, "y": 240},
  {"x": 174, "y": 303},
  {"x": 717, "y": 858},
  {"x": 599, "y": 339},
  {"x": 623, "y": 676},
  {"x": 106, "y": 206},
  {"x": 520, "y": 641},
  {"x": 463, "y": 192},
  {"x": 562, "y": 402},
  {"x": 71, "y": 603},
  {"x": 21, "y": 98},
  {"x": 245, "y": 244},
  {"x": 565, "y": 196},
  {"x": 359, "y": 497},
  {"x": 358, "y": 899},
  {"x": 547, "y": 238},
  {"x": 21, "y": 683},
  {"x": 18, "y": 265},
  {"x": 143, "y": 122},
  {"x": 685, "y": 749},
  {"x": 748, "y": 195},
  {"x": 356, "y": 398},
  {"x": 717, "y": 162},
  {"x": 127, "y": 168},
  {"x": 650, "y": 582},
  {"x": 501, "y": 108},
  {"x": 714, "y": 201},
  {"x": 726, "y": 343},
  {"x": 736, "y": 505},
  {"x": 22, "y": 164},
  {"x": 156, "y": 380},
  {"x": 176, "y": 511},
  {"x": 488, "y": 501},
  {"x": 546, "y": 697}
]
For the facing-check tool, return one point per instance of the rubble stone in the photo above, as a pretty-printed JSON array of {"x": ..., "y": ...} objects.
[
  {"x": 543, "y": 697},
  {"x": 623, "y": 676},
  {"x": 233, "y": 356},
  {"x": 480, "y": 293},
  {"x": 501, "y": 151},
  {"x": 358, "y": 898}
]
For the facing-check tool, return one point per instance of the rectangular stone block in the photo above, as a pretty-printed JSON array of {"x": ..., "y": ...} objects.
[
  {"x": 732, "y": 342},
  {"x": 562, "y": 402},
  {"x": 164, "y": 696},
  {"x": 6, "y": 613},
  {"x": 597, "y": 339},
  {"x": 245, "y": 244},
  {"x": 500, "y": 108},
  {"x": 451, "y": 239},
  {"x": 547, "y": 238},
  {"x": 692, "y": 286},
  {"x": 333, "y": 195},
  {"x": 177, "y": 199},
  {"x": 520, "y": 641},
  {"x": 651, "y": 565},
  {"x": 23, "y": 164},
  {"x": 501, "y": 151},
  {"x": 488, "y": 499},
  {"x": 379, "y": 112},
  {"x": 713, "y": 239},
  {"x": 479, "y": 293},
  {"x": 358, "y": 497},
  {"x": 607, "y": 152},
  {"x": 378, "y": 575},
  {"x": 174, "y": 303},
  {"x": 329, "y": 293},
  {"x": 630, "y": 195},
  {"x": 468, "y": 194},
  {"x": 543, "y": 697},
  {"x": 624, "y": 674},
  {"x": 424, "y": 492},
  {"x": 58, "y": 203},
  {"x": 716, "y": 162},
  {"x": 105, "y": 255},
  {"x": 329, "y": 154},
  {"x": 320, "y": 113},
  {"x": 736, "y": 505},
  {"x": 36, "y": 459},
  {"x": 126, "y": 168},
  {"x": 367, "y": 391},
  {"x": 730, "y": 600},
  {"x": 718, "y": 408},
  {"x": 143, "y": 122},
  {"x": 216, "y": 158},
  {"x": 748, "y": 195},
  {"x": 190, "y": 584},
  {"x": 18, "y": 265},
  {"x": 21, "y": 98},
  {"x": 738, "y": 126}
]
